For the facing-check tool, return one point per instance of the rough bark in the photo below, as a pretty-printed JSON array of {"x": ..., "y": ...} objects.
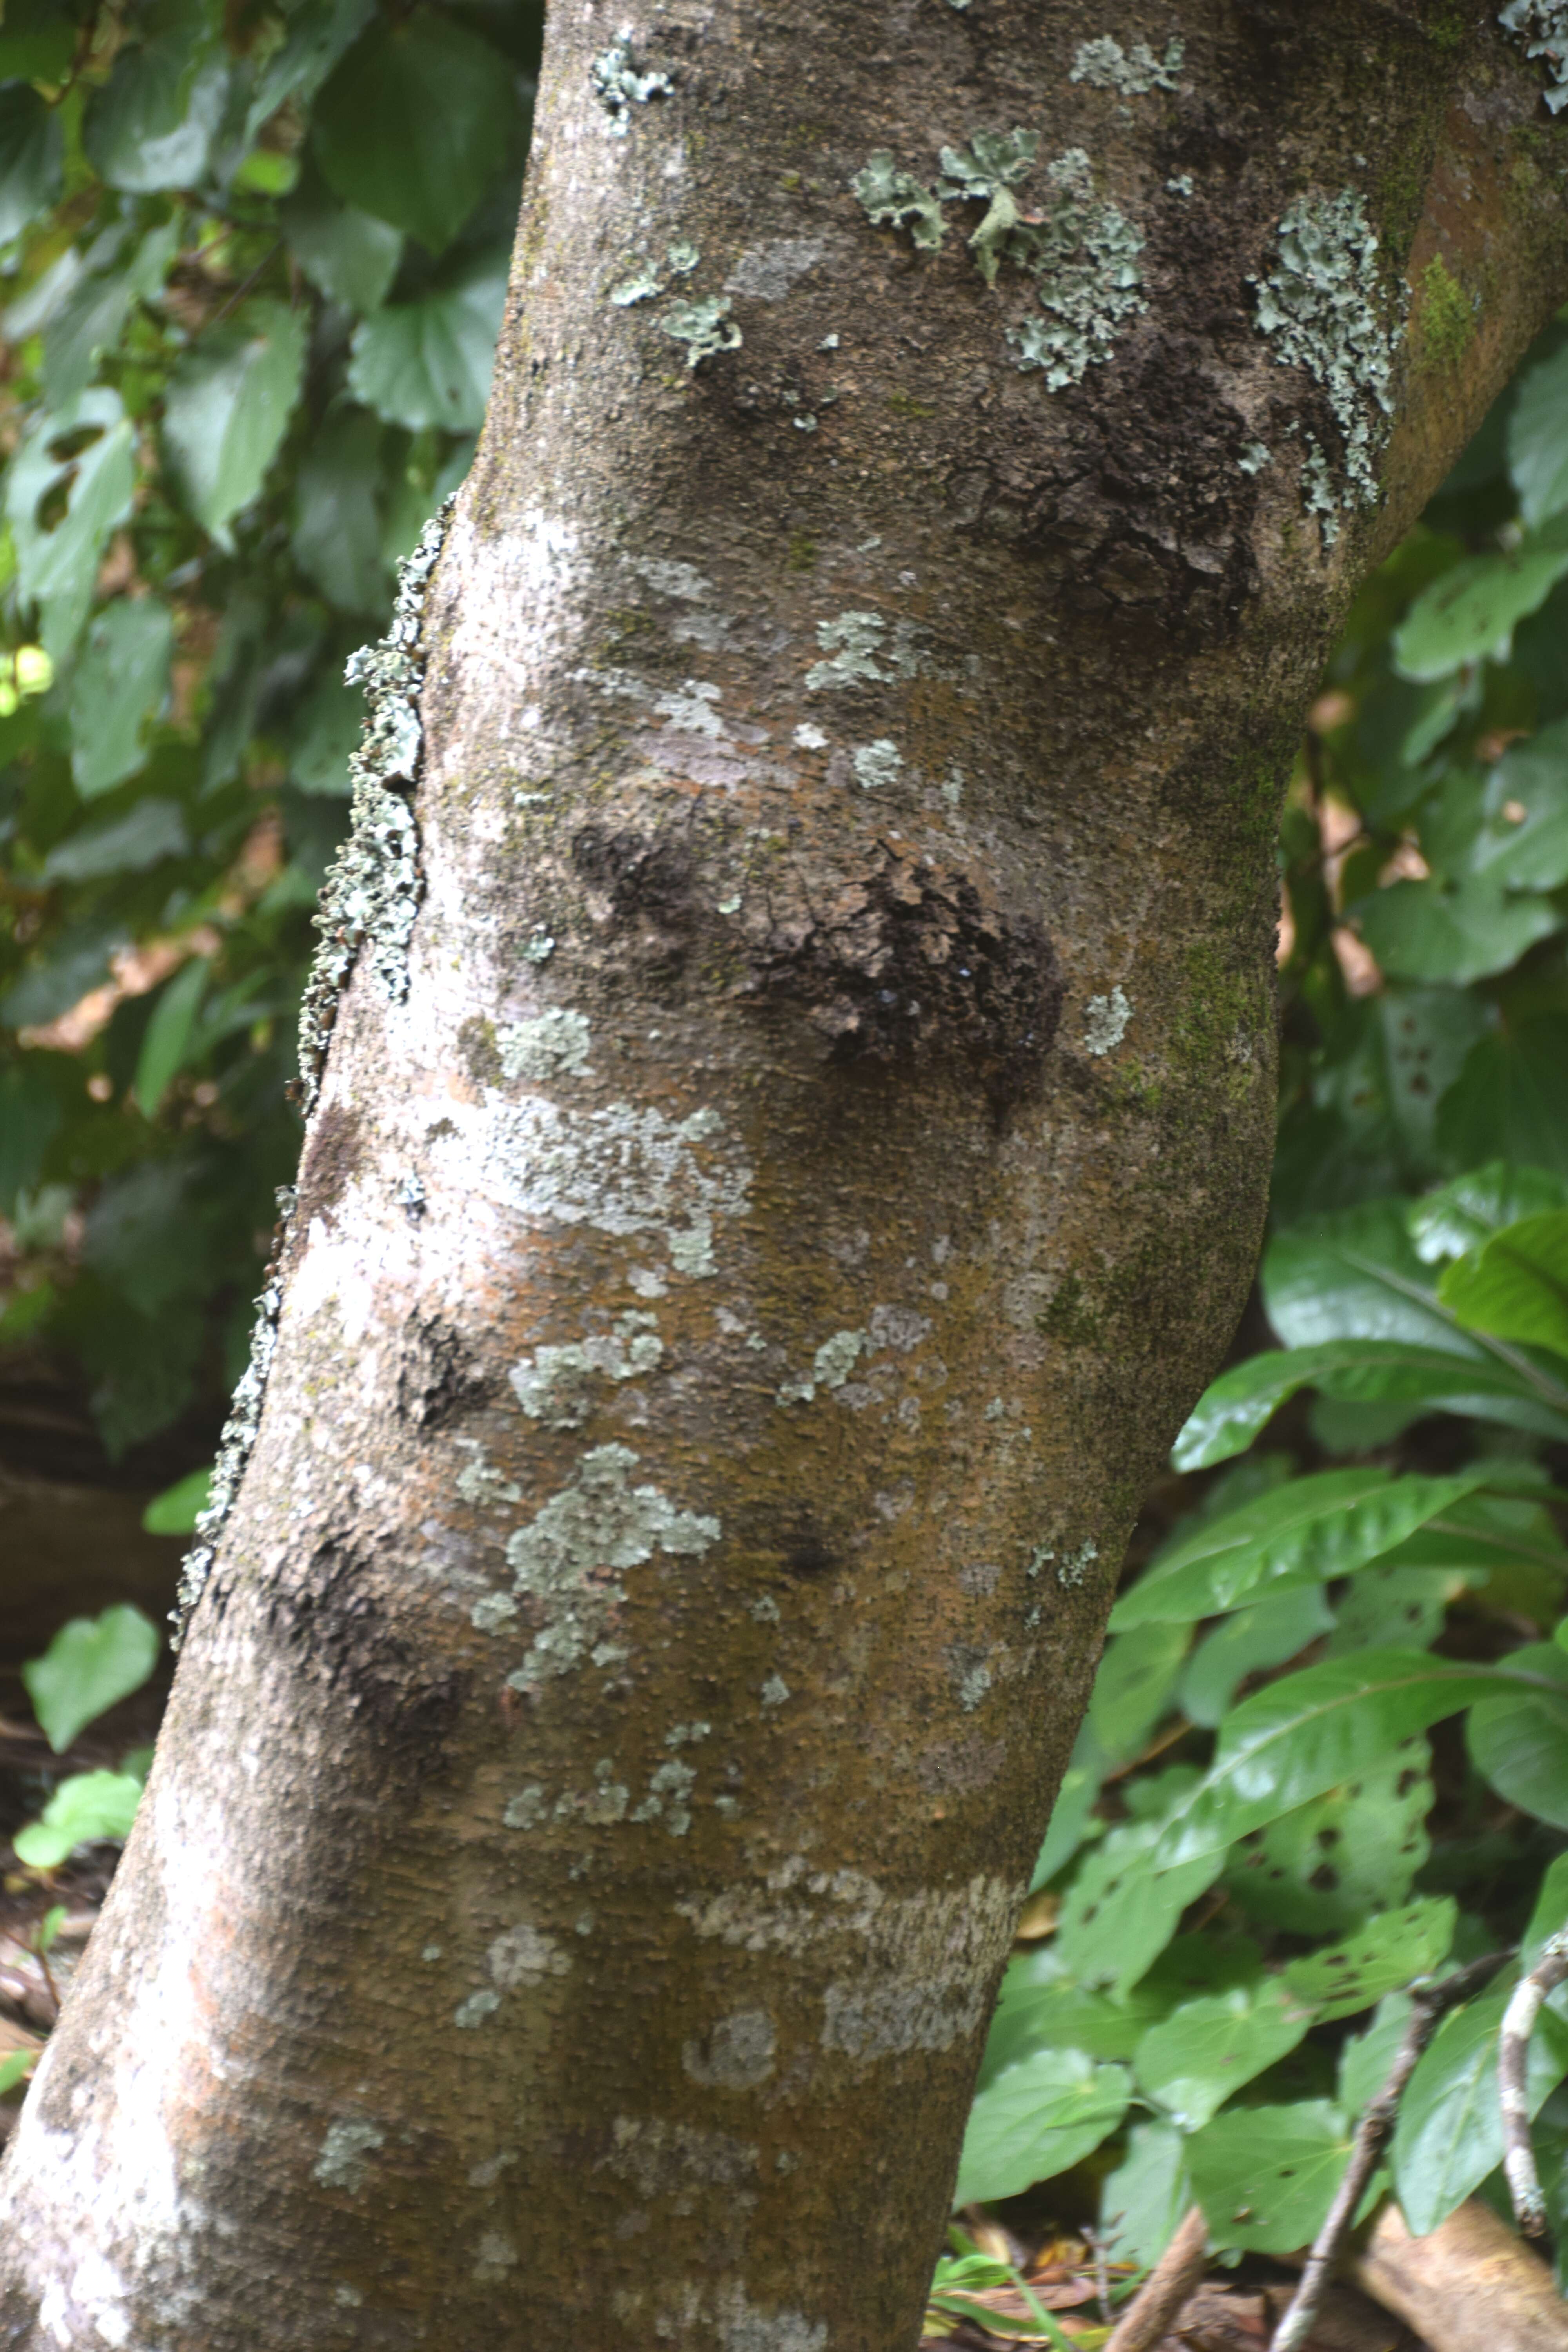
[{"x": 737, "y": 1296}]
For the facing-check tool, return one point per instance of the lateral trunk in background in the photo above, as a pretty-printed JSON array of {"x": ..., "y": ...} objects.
[{"x": 793, "y": 1146}]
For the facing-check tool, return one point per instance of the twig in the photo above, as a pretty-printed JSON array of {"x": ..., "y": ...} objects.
[
  {"x": 1512, "y": 2058},
  {"x": 1429, "y": 2003},
  {"x": 1166, "y": 2288},
  {"x": 1095, "y": 2245}
]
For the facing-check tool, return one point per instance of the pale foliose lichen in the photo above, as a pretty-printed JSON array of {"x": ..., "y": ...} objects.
[
  {"x": 571, "y": 1555},
  {"x": 619, "y": 86},
  {"x": 556, "y": 1385},
  {"x": 876, "y": 764},
  {"x": 341, "y": 2162},
  {"x": 1105, "y": 1020},
  {"x": 1254, "y": 457},
  {"x": 1081, "y": 250},
  {"x": 1322, "y": 306},
  {"x": 1543, "y": 24},
  {"x": 553, "y": 1044},
  {"x": 1104, "y": 64},
  {"x": 703, "y": 325},
  {"x": 650, "y": 277},
  {"x": 860, "y": 653}
]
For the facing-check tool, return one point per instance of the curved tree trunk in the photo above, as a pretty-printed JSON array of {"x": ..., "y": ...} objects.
[{"x": 739, "y": 1289}]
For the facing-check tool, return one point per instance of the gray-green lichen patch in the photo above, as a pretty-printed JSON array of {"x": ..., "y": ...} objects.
[
  {"x": 1104, "y": 64},
  {"x": 371, "y": 894},
  {"x": 660, "y": 2158},
  {"x": 619, "y": 86},
  {"x": 553, "y": 1045},
  {"x": 527, "y": 1809},
  {"x": 556, "y": 1385},
  {"x": 496, "y": 2255},
  {"x": 239, "y": 1435},
  {"x": 830, "y": 1368},
  {"x": 470, "y": 2014},
  {"x": 341, "y": 2161},
  {"x": 1254, "y": 457},
  {"x": 765, "y": 272},
  {"x": 481, "y": 1483},
  {"x": 622, "y": 1170},
  {"x": 1080, "y": 249},
  {"x": 735, "y": 2054},
  {"x": 774, "y": 1691},
  {"x": 878, "y": 764},
  {"x": 968, "y": 1672},
  {"x": 1071, "y": 1568},
  {"x": 667, "y": 1799},
  {"x": 1543, "y": 26},
  {"x": 540, "y": 947},
  {"x": 1321, "y": 305},
  {"x": 703, "y": 325},
  {"x": 862, "y": 652},
  {"x": 524, "y": 1956},
  {"x": 1105, "y": 1020},
  {"x": 649, "y": 278},
  {"x": 570, "y": 1557}
]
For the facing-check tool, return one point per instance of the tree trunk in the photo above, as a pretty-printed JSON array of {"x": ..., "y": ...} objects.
[{"x": 745, "y": 1270}]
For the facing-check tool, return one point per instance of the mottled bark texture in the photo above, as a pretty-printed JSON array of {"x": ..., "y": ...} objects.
[{"x": 738, "y": 1294}]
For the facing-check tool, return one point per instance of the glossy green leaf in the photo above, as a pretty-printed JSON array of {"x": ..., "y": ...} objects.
[
  {"x": 1384, "y": 1955},
  {"x": 155, "y": 123},
  {"x": 1133, "y": 1689},
  {"x": 174, "y": 1512},
  {"x": 1523, "y": 841},
  {"x": 1434, "y": 931},
  {"x": 337, "y": 525},
  {"x": 1516, "y": 1285},
  {"x": 429, "y": 362},
  {"x": 91, "y": 1664},
  {"x": 1520, "y": 1742},
  {"x": 1328, "y": 1864},
  {"x": 68, "y": 485},
  {"x": 414, "y": 123},
  {"x": 149, "y": 831},
  {"x": 1449, "y": 2134},
  {"x": 1312, "y": 1731},
  {"x": 1510, "y": 1099},
  {"x": 349, "y": 255},
  {"x": 1469, "y": 614},
  {"x": 1265, "y": 2176},
  {"x": 89, "y": 1809},
  {"x": 1150, "y": 2190},
  {"x": 1193, "y": 2059},
  {"x": 1120, "y": 1913},
  {"x": 168, "y": 1034},
  {"x": 1308, "y": 1532},
  {"x": 1035, "y": 2119},
  {"x": 1355, "y": 1276},
  {"x": 32, "y": 159},
  {"x": 1537, "y": 438},
  {"x": 1248, "y": 1640},
  {"x": 1237, "y": 1407},
  {"x": 1463, "y": 1215},
  {"x": 228, "y": 404},
  {"x": 121, "y": 682}
]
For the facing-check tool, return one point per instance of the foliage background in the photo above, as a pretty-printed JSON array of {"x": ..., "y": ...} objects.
[{"x": 251, "y": 265}]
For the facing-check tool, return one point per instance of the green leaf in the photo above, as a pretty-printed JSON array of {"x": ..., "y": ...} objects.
[
  {"x": 168, "y": 1034},
  {"x": 1510, "y": 1099},
  {"x": 1389, "y": 1952},
  {"x": 1069, "y": 1821},
  {"x": 1355, "y": 1276},
  {"x": 1036, "y": 2118},
  {"x": 121, "y": 681},
  {"x": 29, "y": 1120},
  {"x": 1133, "y": 1688},
  {"x": 1328, "y": 1864},
  {"x": 89, "y": 1809},
  {"x": 1234, "y": 1408},
  {"x": 32, "y": 159},
  {"x": 1432, "y": 930},
  {"x": 142, "y": 1237},
  {"x": 1462, "y": 1215},
  {"x": 1449, "y": 2134},
  {"x": 415, "y": 122},
  {"x": 89, "y": 321},
  {"x": 1315, "y": 1528},
  {"x": 1120, "y": 1912},
  {"x": 429, "y": 362},
  {"x": 1312, "y": 1731},
  {"x": 1366, "y": 2059},
  {"x": 350, "y": 256},
  {"x": 1265, "y": 2176},
  {"x": 1469, "y": 614},
  {"x": 1040, "y": 2007},
  {"x": 147, "y": 833},
  {"x": 38, "y": 40},
  {"x": 1519, "y": 1743},
  {"x": 175, "y": 1511},
  {"x": 337, "y": 526},
  {"x": 1143, "y": 2201},
  {"x": 1266, "y": 1634},
  {"x": 1191, "y": 2061},
  {"x": 1537, "y": 438},
  {"x": 16, "y": 2066},
  {"x": 228, "y": 404},
  {"x": 1388, "y": 1606},
  {"x": 317, "y": 38},
  {"x": 77, "y": 960},
  {"x": 1524, "y": 840},
  {"x": 84, "y": 453},
  {"x": 1516, "y": 1285},
  {"x": 91, "y": 1664},
  {"x": 153, "y": 125}
]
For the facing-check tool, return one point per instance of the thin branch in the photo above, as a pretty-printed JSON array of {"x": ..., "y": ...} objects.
[
  {"x": 1166, "y": 2288},
  {"x": 1429, "y": 2003},
  {"x": 1513, "y": 2099}
]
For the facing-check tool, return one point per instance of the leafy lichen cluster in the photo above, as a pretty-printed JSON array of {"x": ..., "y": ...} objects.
[
  {"x": 619, "y": 86},
  {"x": 1105, "y": 65},
  {"x": 1082, "y": 251},
  {"x": 371, "y": 893},
  {"x": 1544, "y": 26},
  {"x": 703, "y": 325},
  {"x": 1320, "y": 303}
]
